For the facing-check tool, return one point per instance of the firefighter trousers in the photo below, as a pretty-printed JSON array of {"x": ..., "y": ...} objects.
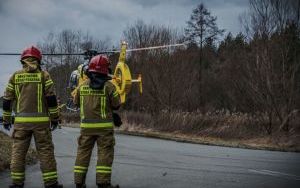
[
  {"x": 45, "y": 152},
  {"x": 105, "y": 150}
]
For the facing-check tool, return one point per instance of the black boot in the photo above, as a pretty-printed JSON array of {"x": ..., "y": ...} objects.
[
  {"x": 108, "y": 186},
  {"x": 55, "y": 185},
  {"x": 80, "y": 186},
  {"x": 16, "y": 185}
]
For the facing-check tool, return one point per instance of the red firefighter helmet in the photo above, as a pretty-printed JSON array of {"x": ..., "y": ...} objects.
[
  {"x": 32, "y": 52},
  {"x": 99, "y": 64}
]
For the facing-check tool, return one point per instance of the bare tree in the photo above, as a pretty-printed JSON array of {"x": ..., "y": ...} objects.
[
  {"x": 67, "y": 41},
  {"x": 271, "y": 71},
  {"x": 266, "y": 17},
  {"x": 167, "y": 74}
]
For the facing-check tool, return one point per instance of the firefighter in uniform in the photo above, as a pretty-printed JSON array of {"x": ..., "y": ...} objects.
[
  {"x": 31, "y": 90},
  {"x": 97, "y": 98}
]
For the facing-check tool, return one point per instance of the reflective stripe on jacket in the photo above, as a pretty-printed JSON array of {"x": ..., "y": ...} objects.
[
  {"x": 28, "y": 90},
  {"x": 96, "y": 105}
]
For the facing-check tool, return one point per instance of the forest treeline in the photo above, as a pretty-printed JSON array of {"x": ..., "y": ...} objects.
[{"x": 256, "y": 72}]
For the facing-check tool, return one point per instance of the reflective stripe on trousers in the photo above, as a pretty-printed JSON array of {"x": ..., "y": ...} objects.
[
  {"x": 17, "y": 175},
  {"x": 103, "y": 169},
  {"x": 80, "y": 169},
  {"x": 48, "y": 176}
]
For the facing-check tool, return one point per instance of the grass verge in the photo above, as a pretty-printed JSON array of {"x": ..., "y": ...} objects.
[
  {"x": 264, "y": 143},
  {"x": 221, "y": 129},
  {"x": 272, "y": 143},
  {"x": 5, "y": 152}
]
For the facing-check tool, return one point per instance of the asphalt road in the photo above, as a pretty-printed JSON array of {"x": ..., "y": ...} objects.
[{"x": 154, "y": 163}]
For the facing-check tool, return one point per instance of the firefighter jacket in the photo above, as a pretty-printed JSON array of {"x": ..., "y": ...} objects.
[
  {"x": 34, "y": 99},
  {"x": 96, "y": 106}
]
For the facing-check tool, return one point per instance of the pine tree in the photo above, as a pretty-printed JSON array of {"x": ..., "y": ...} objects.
[{"x": 202, "y": 28}]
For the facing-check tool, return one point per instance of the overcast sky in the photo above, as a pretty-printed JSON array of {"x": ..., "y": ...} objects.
[{"x": 25, "y": 22}]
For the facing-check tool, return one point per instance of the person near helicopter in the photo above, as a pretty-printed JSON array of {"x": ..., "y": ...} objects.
[{"x": 97, "y": 98}]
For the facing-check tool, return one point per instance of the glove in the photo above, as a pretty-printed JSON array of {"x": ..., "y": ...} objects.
[
  {"x": 53, "y": 125},
  {"x": 117, "y": 119},
  {"x": 6, "y": 126}
]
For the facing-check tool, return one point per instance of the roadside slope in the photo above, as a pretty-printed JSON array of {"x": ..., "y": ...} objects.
[{"x": 272, "y": 143}]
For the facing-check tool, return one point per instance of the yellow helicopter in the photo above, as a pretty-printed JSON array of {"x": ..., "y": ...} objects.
[{"x": 121, "y": 77}]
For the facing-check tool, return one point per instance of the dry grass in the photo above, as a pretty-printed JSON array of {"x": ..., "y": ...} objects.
[
  {"x": 219, "y": 124},
  {"x": 263, "y": 143},
  {"x": 5, "y": 152},
  {"x": 70, "y": 118},
  {"x": 216, "y": 128}
]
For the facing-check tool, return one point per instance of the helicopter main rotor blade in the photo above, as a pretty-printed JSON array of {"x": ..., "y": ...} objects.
[
  {"x": 57, "y": 54},
  {"x": 149, "y": 48},
  {"x": 60, "y": 54},
  {"x": 48, "y": 54},
  {"x": 9, "y": 54},
  {"x": 107, "y": 52},
  {"x": 155, "y": 47}
]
